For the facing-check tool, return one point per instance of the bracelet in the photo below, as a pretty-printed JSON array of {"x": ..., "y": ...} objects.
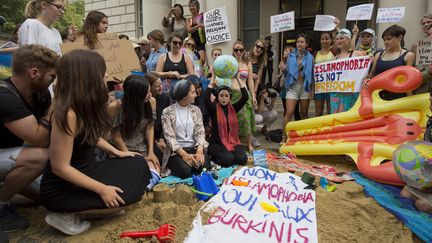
[{"x": 45, "y": 123}]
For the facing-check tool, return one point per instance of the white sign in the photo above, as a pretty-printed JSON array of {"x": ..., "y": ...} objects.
[
  {"x": 360, "y": 12},
  {"x": 343, "y": 75},
  {"x": 282, "y": 22},
  {"x": 273, "y": 207},
  {"x": 390, "y": 15},
  {"x": 216, "y": 26},
  {"x": 324, "y": 23},
  {"x": 424, "y": 52}
]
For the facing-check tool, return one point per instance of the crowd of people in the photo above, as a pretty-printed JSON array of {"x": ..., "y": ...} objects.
[{"x": 88, "y": 146}]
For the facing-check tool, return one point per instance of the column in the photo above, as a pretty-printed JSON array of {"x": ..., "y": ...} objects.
[{"x": 153, "y": 12}]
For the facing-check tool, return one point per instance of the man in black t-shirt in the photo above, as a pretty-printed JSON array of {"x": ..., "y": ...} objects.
[{"x": 24, "y": 104}]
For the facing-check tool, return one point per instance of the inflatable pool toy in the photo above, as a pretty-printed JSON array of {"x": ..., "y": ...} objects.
[
  {"x": 225, "y": 67},
  {"x": 413, "y": 163},
  {"x": 371, "y": 130}
]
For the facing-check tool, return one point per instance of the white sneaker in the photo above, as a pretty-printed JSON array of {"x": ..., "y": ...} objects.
[{"x": 67, "y": 223}]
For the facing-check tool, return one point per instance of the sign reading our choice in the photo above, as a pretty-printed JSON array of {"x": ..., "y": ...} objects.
[
  {"x": 343, "y": 75},
  {"x": 360, "y": 12},
  {"x": 216, "y": 26},
  {"x": 282, "y": 22},
  {"x": 424, "y": 52},
  {"x": 390, "y": 15},
  {"x": 272, "y": 207}
]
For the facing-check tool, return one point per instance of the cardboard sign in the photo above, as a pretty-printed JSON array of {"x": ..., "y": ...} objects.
[
  {"x": 282, "y": 22},
  {"x": 324, "y": 23},
  {"x": 216, "y": 26},
  {"x": 119, "y": 55},
  {"x": 424, "y": 52},
  {"x": 343, "y": 75},
  {"x": 360, "y": 12},
  {"x": 266, "y": 207},
  {"x": 390, "y": 15}
]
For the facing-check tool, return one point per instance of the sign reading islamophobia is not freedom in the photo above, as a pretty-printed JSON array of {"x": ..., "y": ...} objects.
[{"x": 216, "y": 26}]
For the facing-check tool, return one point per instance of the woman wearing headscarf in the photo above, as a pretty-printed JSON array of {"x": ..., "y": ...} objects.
[
  {"x": 184, "y": 134},
  {"x": 224, "y": 145}
]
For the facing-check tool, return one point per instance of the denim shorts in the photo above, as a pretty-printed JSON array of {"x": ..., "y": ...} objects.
[
  {"x": 297, "y": 92},
  {"x": 8, "y": 158}
]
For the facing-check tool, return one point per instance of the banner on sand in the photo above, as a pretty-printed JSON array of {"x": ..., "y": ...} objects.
[
  {"x": 273, "y": 207},
  {"x": 343, "y": 75},
  {"x": 119, "y": 55}
]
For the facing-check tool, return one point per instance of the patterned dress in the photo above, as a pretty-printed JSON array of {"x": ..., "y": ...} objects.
[{"x": 245, "y": 116}]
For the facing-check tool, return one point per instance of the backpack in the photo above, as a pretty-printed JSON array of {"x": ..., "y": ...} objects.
[{"x": 275, "y": 135}]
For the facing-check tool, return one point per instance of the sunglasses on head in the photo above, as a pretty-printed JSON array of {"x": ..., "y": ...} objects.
[
  {"x": 238, "y": 50},
  {"x": 177, "y": 43},
  {"x": 259, "y": 47}
]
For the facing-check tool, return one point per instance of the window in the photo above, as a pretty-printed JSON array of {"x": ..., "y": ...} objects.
[{"x": 250, "y": 22}]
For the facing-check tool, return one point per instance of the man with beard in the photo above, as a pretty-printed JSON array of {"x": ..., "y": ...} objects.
[{"x": 24, "y": 129}]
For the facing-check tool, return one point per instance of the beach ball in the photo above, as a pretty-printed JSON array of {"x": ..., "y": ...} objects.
[
  {"x": 225, "y": 67},
  {"x": 413, "y": 163}
]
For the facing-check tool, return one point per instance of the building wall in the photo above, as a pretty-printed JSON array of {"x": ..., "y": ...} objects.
[
  {"x": 337, "y": 8},
  {"x": 121, "y": 14},
  {"x": 153, "y": 12}
]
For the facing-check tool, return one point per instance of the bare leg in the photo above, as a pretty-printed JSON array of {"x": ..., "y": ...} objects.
[
  {"x": 319, "y": 107},
  {"x": 290, "y": 108},
  {"x": 29, "y": 165},
  {"x": 203, "y": 57},
  {"x": 304, "y": 108}
]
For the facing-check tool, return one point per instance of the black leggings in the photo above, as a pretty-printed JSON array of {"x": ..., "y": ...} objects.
[
  {"x": 181, "y": 169},
  {"x": 224, "y": 158}
]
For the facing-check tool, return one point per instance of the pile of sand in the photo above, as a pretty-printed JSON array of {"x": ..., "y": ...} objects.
[{"x": 345, "y": 215}]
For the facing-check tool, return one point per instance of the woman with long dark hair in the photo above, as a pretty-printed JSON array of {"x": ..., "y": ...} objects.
[
  {"x": 133, "y": 125},
  {"x": 73, "y": 181},
  {"x": 95, "y": 22}
]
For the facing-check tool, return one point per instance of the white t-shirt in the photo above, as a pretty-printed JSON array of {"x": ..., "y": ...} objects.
[
  {"x": 184, "y": 126},
  {"x": 32, "y": 31}
]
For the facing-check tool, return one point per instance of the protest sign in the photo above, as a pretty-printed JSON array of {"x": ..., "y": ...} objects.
[
  {"x": 342, "y": 76},
  {"x": 424, "y": 52},
  {"x": 390, "y": 15},
  {"x": 324, "y": 23},
  {"x": 282, "y": 22},
  {"x": 119, "y": 55},
  {"x": 216, "y": 26},
  {"x": 360, "y": 12},
  {"x": 271, "y": 207}
]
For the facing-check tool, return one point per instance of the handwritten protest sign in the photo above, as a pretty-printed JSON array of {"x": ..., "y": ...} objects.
[
  {"x": 424, "y": 52},
  {"x": 273, "y": 207},
  {"x": 282, "y": 22},
  {"x": 324, "y": 23},
  {"x": 119, "y": 55},
  {"x": 360, "y": 12},
  {"x": 390, "y": 15},
  {"x": 216, "y": 26},
  {"x": 343, "y": 75}
]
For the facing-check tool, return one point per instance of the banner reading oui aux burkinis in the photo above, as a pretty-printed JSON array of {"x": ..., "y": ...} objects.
[{"x": 343, "y": 75}]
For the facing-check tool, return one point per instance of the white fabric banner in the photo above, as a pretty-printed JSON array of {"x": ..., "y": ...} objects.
[
  {"x": 282, "y": 22},
  {"x": 216, "y": 26},
  {"x": 273, "y": 207},
  {"x": 343, "y": 75}
]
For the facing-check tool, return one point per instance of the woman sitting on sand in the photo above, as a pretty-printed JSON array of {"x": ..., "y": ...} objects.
[
  {"x": 184, "y": 133},
  {"x": 224, "y": 145},
  {"x": 73, "y": 181}
]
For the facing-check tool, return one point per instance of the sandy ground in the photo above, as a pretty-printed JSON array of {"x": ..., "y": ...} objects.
[{"x": 345, "y": 215}]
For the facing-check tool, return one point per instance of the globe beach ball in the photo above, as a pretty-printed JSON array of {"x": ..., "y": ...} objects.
[
  {"x": 225, "y": 67},
  {"x": 413, "y": 163}
]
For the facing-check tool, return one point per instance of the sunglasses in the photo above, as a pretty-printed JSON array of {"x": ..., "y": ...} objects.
[
  {"x": 177, "y": 43},
  {"x": 59, "y": 7},
  {"x": 238, "y": 50},
  {"x": 259, "y": 47},
  {"x": 190, "y": 44}
]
